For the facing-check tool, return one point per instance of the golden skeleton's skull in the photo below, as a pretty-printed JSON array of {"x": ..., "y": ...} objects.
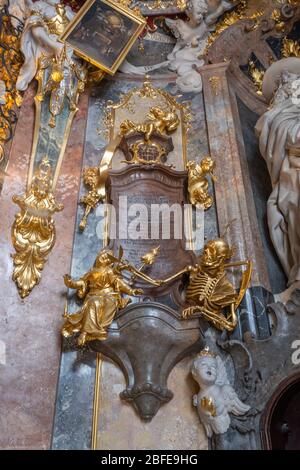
[{"x": 215, "y": 253}]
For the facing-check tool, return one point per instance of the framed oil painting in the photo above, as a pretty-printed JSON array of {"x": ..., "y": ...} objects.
[{"x": 103, "y": 32}]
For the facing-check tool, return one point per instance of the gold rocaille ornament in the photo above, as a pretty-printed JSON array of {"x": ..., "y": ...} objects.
[
  {"x": 160, "y": 122},
  {"x": 33, "y": 231}
]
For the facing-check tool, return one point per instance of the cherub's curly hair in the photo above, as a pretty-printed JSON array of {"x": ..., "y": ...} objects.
[{"x": 201, "y": 3}]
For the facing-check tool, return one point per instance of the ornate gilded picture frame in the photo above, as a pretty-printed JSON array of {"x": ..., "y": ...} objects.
[{"x": 103, "y": 33}]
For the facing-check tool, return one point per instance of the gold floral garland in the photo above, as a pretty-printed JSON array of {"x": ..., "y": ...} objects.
[{"x": 10, "y": 64}]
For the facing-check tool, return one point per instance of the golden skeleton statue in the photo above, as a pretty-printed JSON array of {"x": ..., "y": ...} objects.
[
  {"x": 209, "y": 290},
  {"x": 159, "y": 122},
  {"x": 101, "y": 288}
]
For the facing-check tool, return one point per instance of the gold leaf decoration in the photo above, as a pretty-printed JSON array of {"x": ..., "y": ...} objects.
[
  {"x": 163, "y": 5},
  {"x": 33, "y": 231},
  {"x": 232, "y": 17},
  {"x": 92, "y": 179},
  {"x": 293, "y": 3},
  {"x": 290, "y": 48},
  {"x": 10, "y": 64},
  {"x": 257, "y": 76}
]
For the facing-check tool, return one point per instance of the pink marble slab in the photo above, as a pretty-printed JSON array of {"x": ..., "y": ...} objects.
[{"x": 30, "y": 328}]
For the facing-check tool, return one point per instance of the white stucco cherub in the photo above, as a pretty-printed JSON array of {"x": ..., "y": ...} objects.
[
  {"x": 192, "y": 38},
  {"x": 191, "y": 41},
  {"x": 216, "y": 397},
  {"x": 216, "y": 8}
]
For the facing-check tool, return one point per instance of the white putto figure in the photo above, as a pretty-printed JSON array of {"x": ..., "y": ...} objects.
[
  {"x": 44, "y": 21},
  {"x": 216, "y": 397},
  {"x": 192, "y": 39},
  {"x": 216, "y": 8},
  {"x": 191, "y": 42},
  {"x": 279, "y": 141}
]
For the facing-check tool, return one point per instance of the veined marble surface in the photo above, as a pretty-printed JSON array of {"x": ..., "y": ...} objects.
[
  {"x": 74, "y": 408},
  {"x": 176, "y": 425},
  {"x": 30, "y": 328}
]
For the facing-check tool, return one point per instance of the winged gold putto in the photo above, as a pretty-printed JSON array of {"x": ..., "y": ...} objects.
[
  {"x": 159, "y": 122},
  {"x": 198, "y": 185}
]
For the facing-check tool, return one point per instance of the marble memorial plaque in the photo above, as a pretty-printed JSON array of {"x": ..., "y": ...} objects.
[{"x": 149, "y": 203}]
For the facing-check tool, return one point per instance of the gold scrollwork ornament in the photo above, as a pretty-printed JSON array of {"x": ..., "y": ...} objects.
[
  {"x": 215, "y": 84},
  {"x": 290, "y": 48},
  {"x": 96, "y": 193},
  {"x": 159, "y": 122},
  {"x": 33, "y": 231},
  {"x": 257, "y": 76}
]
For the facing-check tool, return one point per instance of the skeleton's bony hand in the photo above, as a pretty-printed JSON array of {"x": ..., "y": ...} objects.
[
  {"x": 187, "y": 312},
  {"x": 126, "y": 267}
]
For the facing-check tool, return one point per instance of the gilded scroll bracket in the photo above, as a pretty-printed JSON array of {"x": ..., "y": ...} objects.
[{"x": 33, "y": 231}]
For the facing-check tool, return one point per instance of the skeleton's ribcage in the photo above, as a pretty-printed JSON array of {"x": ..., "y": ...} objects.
[{"x": 200, "y": 285}]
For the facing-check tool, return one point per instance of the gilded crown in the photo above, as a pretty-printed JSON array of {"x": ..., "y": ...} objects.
[{"x": 206, "y": 353}]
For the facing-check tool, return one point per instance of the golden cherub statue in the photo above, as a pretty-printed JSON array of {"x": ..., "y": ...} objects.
[
  {"x": 102, "y": 288},
  {"x": 92, "y": 178},
  {"x": 209, "y": 290},
  {"x": 198, "y": 183},
  {"x": 159, "y": 122}
]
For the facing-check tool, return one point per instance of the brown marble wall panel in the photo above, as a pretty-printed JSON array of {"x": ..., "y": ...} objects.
[{"x": 29, "y": 328}]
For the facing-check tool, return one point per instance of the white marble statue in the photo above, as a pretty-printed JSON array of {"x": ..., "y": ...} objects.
[
  {"x": 43, "y": 21},
  {"x": 192, "y": 39},
  {"x": 279, "y": 141},
  {"x": 216, "y": 397},
  {"x": 191, "y": 42},
  {"x": 216, "y": 8}
]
